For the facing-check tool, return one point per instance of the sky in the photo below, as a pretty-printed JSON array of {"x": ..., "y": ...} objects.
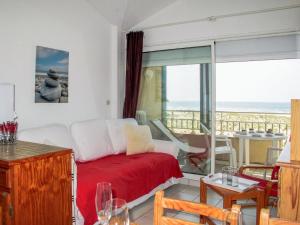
[
  {"x": 258, "y": 81},
  {"x": 253, "y": 81},
  {"x": 47, "y": 58},
  {"x": 183, "y": 83}
]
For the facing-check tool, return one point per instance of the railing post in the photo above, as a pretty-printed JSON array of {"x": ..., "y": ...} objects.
[
  {"x": 172, "y": 118},
  {"x": 193, "y": 118}
]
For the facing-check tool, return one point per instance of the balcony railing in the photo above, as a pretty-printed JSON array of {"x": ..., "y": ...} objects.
[{"x": 188, "y": 121}]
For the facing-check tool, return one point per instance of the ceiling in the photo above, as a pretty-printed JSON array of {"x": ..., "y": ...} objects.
[{"x": 127, "y": 13}]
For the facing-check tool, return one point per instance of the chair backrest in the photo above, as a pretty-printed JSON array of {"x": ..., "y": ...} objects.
[
  {"x": 161, "y": 203},
  {"x": 207, "y": 134},
  {"x": 219, "y": 138},
  {"x": 170, "y": 135},
  {"x": 195, "y": 140},
  {"x": 271, "y": 159},
  {"x": 272, "y": 156},
  {"x": 266, "y": 220},
  {"x": 181, "y": 145}
]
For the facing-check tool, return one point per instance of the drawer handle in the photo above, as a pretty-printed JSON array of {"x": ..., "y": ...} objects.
[
  {"x": 10, "y": 207},
  {"x": 4, "y": 194},
  {"x": 11, "y": 211}
]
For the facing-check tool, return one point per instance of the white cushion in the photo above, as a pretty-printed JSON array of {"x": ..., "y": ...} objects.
[
  {"x": 91, "y": 140},
  {"x": 53, "y": 134},
  {"x": 116, "y": 133},
  {"x": 139, "y": 139}
]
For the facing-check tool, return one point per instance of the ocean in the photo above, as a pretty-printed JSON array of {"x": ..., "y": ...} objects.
[{"x": 266, "y": 107}]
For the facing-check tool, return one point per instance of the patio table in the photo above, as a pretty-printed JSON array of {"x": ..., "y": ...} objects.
[
  {"x": 244, "y": 140},
  {"x": 231, "y": 197}
]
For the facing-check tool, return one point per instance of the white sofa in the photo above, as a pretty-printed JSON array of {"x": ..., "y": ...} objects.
[{"x": 90, "y": 140}]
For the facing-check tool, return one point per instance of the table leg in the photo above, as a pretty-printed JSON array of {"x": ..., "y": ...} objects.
[
  {"x": 203, "y": 198},
  {"x": 241, "y": 151},
  {"x": 275, "y": 144},
  {"x": 227, "y": 202},
  {"x": 247, "y": 152},
  {"x": 260, "y": 203}
]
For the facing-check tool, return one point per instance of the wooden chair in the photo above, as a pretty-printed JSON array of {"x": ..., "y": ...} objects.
[
  {"x": 161, "y": 203},
  {"x": 266, "y": 220},
  {"x": 269, "y": 186}
]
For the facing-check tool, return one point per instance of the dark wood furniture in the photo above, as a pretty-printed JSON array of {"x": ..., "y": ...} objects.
[
  {"x": 289, "y": 192},
  {"x": 35, "y": 185},
  {"x": 230, "y": 197},
  {"x": 227, "y": 216}
]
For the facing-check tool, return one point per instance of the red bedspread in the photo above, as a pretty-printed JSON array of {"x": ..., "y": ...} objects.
[{"x": 131, "y": 177}]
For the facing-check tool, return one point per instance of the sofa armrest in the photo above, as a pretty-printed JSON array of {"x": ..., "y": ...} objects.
[{"x": 167, "y": 147}]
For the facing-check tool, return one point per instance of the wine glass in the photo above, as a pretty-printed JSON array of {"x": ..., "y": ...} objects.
[
  {"x": 103, "y": 199},
  {"x": 119, "y": 212}
]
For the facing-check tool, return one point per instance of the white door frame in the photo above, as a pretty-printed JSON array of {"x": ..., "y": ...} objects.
[{"x": 213, "y": 107}]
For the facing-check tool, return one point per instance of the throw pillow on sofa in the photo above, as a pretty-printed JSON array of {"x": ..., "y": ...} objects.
[
  {"x": 115, "y": 129},
  {"x": 91, "y": 140},
  {"x": 139, "y": 139}
]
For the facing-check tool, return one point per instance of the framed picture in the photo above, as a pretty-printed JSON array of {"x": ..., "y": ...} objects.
[{"x": 51, "y": 75}]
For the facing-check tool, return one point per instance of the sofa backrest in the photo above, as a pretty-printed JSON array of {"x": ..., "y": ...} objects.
[
  {"x": 97, "y": 138},
  {"x": 116, "y": 133},
  {"x": 91, "y": 139},
  {"x": 53, "y": 134}
]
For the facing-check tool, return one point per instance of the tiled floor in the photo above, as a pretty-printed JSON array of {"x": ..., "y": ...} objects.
[{"x": 143, "y": 213}]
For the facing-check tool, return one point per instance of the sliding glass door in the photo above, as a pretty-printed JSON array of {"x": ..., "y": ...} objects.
[{"x": 175, "y": 100}]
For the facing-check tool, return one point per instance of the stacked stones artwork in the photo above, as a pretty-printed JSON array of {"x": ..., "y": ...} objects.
[{"x": 51, "y": 78}]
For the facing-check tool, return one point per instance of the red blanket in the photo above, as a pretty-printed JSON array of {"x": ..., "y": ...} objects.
[{"x": 131, "y": 177}]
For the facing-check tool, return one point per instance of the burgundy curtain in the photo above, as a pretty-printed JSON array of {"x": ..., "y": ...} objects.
[{"x": 133, "y": 72}]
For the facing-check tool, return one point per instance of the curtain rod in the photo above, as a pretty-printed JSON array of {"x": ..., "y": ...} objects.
[{"x": 214, "y": 18}]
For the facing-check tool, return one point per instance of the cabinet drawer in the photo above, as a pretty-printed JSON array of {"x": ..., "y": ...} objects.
[{"x": 4, "y": 177}]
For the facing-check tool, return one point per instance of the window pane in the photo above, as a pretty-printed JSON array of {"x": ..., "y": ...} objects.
[{"x": 175, "y": 97}]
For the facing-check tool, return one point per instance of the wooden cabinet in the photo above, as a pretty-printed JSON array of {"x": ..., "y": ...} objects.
[
  {"x": 289, "y": 192},
  {"x": 35, "y": 185},
  {"x": 289, "y": 176}
]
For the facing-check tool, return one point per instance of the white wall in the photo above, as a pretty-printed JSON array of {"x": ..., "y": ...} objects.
[
  {"x": 193, "y": 10},
  {"x": 71, "y": 25},
  {"x": 168, "y": 26}
]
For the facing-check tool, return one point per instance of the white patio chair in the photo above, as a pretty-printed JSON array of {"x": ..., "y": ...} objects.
[
  {"x": 181, "y": 145},
  {"x": 272, "y": 156},
  {"x": 227, "y": 148},
  {"x": 197, "y": 156}
]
